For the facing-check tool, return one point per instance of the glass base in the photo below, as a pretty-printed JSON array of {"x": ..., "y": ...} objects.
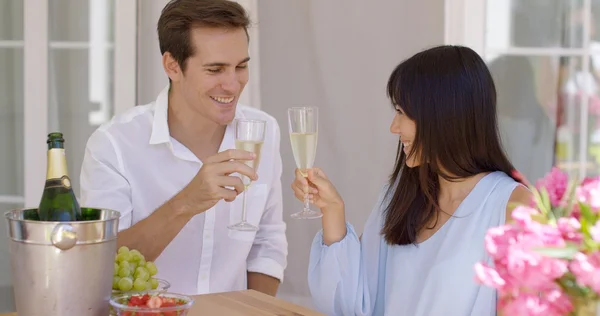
[
  {"x": 307, "y": 214},
  {"x": 243, "y": 226}
]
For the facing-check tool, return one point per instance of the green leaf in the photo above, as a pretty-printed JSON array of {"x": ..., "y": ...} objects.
[
  {"x": 569, "y": 283},
  {"x": 537, "y": 198},
  {"x": 546, "y": 199},
  {"x": 569, "y": 197},
  {"x": 567, "y": 252},
  {"x": 587, "y": 214}
]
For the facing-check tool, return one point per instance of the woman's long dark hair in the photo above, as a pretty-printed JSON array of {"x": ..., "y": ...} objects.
[{"x": 450, "y": 94}]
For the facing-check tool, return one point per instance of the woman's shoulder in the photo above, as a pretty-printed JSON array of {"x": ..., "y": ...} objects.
[
  {"x": 518, "y": 192},
  {"x": 510, "y": 193}
]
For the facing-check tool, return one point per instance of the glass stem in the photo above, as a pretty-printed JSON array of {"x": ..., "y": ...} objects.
[
  {"x": 244, "y": 206},
  {"x": 306, "y": 202}
]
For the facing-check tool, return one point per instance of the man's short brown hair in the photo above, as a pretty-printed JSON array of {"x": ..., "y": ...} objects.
[{"x": 179, "y": 16}]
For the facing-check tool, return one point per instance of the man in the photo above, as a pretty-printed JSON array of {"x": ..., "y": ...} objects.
[{"x": 171, "y": 169}]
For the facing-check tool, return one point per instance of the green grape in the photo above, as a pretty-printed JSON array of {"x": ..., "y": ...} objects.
[
  {"x": 115, "y": 285},
  {"x": 132, "y": 271},
  {"x": 125, "y": 284},
  {"x": 151, "y": 267},
  {"x": 154, "y": 283},
  {"x": 142, "y": 273},
  {"x": 124, "y": 272},
  {"x": 123, "y": 249},
  {"x": 139, "y": 285},
  {"x": 137, "y": 256},
  {"x": 124, "y": 256}
]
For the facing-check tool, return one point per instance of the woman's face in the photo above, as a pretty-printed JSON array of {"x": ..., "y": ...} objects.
[{"x": 406, "y": 128}]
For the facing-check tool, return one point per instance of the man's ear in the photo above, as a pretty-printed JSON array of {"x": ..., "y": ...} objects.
[{"x": 171, "y": 67}]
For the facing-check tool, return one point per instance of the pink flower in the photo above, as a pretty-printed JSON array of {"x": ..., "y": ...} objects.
[
  {"x": 522, "y": 215},
  {"x": 554, "y": 303},
  {"x": 515, "y": 262},
  {"x": 488, "y": 276},
  {"x": 589, "y": 193},
  {"x": 548, "y": 235},
  {"x": 531, "y": 270},
  {"x": 570, "y": 229},
  {"x": 586, "y": 269},
  {"x": 499, "y": 239},
  {"x": 595, "y": 232},
  {"x": 556, "y": 183}
]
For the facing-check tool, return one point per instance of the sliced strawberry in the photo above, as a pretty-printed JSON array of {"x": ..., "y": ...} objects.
[
  {"x": 154, "y": 302},
  {"x": 168, "y": 304},
  {"x": 136, "y": 301}
]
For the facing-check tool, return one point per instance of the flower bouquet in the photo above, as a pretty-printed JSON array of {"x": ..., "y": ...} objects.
[{"x": 546, "y": 259}]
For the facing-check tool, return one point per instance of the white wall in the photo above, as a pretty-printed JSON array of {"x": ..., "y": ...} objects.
[{"x": 151, "y": 75}]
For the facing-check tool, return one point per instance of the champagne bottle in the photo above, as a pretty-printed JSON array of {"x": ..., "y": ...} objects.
[{"x": 58, "y": 200}]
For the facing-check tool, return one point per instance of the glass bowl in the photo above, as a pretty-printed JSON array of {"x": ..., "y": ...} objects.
[
  {"x": 119, "y": 304},
  {"x": 163, "y": 287}
]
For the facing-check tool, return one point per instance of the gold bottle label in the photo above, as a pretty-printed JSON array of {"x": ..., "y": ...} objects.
[{"x": 57, "y": 165}]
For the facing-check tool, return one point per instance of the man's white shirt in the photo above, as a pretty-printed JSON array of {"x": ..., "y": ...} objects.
[{"x": 133, "y": 165}]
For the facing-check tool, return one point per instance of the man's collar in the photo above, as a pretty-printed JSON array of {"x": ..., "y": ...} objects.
[{"x": 160, "y": 125}]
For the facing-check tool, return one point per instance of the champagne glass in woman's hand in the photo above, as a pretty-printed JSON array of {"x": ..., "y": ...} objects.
[{"x": 304, "y": 129}]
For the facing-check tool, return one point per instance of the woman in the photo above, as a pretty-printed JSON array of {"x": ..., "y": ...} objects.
[{"x": 450, "y": 184}]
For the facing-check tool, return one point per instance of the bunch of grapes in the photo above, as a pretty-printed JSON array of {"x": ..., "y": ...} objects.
[{"x": 132, "y": 272}]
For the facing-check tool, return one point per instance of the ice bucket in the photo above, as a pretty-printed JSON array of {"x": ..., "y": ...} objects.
[{"x": 62, "y": 268}]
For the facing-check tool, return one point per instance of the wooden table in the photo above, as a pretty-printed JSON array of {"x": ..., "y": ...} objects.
[{"x": 241, "y": 303}]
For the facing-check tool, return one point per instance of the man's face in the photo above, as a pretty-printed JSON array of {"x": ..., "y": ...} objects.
[{"x": 216, "y": 73}]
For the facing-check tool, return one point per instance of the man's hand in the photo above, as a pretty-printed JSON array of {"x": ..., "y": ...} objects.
[{"x": 214, "y": 181}]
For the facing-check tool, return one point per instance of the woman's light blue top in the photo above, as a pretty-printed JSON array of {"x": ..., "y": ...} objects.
[{"x": 435, "y": 278}]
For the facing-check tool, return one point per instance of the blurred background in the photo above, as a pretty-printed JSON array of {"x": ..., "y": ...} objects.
[{"x": 70, "y": 65}]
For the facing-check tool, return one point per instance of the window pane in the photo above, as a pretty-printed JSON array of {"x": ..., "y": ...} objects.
[
  {"x": 7, "y": 303},
  {"x": 11, "y": 122},
  {"x": 534, "y": 23},
  {"x": 590, "y": 82},
  {"x": 71, "y": 20},
  {"x": 81, "y": 96},
  {"x": 11, "y": 20},
  {"x": 532, "y": 101}
]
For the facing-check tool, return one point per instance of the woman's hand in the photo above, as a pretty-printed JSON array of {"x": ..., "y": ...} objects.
[
  {"x": 321, "y": 191},
  {"x": 323, "y": 195}
]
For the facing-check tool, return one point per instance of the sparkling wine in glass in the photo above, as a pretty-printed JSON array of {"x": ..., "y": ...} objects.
[
  {"x": 249, "y": 136},
  {"x": 303, "y": 124}
]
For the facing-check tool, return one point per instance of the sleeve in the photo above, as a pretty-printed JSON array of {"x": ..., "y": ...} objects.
[
  {"x": 268, "y": 254},
  {"x": 345, "y": 277},
  {"x": 103, "y": 184}
]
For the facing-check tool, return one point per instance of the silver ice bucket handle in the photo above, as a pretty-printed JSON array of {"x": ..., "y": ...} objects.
[{"x": 63, "y": 237}]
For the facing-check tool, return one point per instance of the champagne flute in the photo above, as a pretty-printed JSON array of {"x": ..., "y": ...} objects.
[
  {"x": 249, "y": 136},
  {"x": 303, "y": 123}
]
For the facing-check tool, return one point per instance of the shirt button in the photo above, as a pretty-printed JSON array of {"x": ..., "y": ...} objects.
[
  {"x": 203, "y": 277},
  {"x": 207, "y": 236}
]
